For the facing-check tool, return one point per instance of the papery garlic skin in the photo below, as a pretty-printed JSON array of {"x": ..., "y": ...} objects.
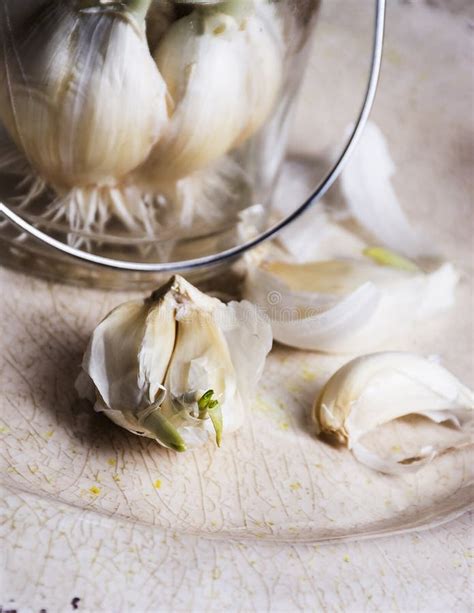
[
  {"x": 377, "y": 388},
  {"x": 151, "y": 361},
  {"x": 366, "y": 185}
]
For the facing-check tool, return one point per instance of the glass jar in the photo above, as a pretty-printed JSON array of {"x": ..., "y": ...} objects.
[{"x": 149, "y": 131}]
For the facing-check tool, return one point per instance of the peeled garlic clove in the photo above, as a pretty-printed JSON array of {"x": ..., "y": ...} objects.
[
  {"x": 173, "y": 367},
  {"x": 378, "y": 388}
]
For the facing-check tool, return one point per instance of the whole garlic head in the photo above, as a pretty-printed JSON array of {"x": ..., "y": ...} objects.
[
  {"x": 83, "y": 99},
  {"x": 178, "y": 367}
]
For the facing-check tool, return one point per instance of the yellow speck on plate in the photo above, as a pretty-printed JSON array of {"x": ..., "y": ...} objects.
[
  {"x": 48, "y": 434},
  {"x": 157, "y": 484},
  {"x": 284, "y": 425},
  {"x": 116, "y": 477},
  {"x": 111, "y": 461},
  {"x": 295, "y": 486},
  {"x": 346, "y": 558},
  {"x": 308, "y": 375},
  {"x": 216, "y": 573},
  {"x": 94, "y": 490},
  {"x": 294, "y": 389},
  {"x": 4, "y": 430},
  {"x": 263, "y": 406}
]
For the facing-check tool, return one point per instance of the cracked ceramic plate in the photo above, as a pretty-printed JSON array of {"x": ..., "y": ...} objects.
[{"x": 273, "y": 480}]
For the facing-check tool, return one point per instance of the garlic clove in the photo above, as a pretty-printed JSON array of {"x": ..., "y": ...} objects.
[
  {"x": 200, "y": 59},
  {"x": 129, "y": 353},
  {"x": 375, "y": 389},
  {"x": 349, "y": 304},
  {"x": 201, "y": 362},
  {"x": 223, "y": 69}
]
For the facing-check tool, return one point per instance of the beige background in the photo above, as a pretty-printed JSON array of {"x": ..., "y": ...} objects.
[{"x": 58, "y": 551}]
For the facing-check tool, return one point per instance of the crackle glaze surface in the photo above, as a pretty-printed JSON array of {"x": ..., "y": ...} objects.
[{"x": 94, "y": 513}]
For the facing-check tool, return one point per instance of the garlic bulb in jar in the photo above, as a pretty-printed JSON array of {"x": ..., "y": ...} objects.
[{"x": 84, "y": 101}]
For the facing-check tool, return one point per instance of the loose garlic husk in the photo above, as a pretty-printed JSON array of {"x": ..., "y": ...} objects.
[
  {"x": 84, "y": 101},
  {"x": 179, "y": 367},
  {"x": 223, "y": 69},
  {"x": 378, "y": 388}
]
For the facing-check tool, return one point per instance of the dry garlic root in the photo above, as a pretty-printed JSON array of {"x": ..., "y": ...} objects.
[
  {"x": 178, "y": 367},
  {"x": 378, "y": 388}
]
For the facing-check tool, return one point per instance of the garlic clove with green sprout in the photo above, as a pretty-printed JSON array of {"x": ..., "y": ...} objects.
[
  {"x": 375, "y": 389},
  {"x": 84, "y": 101},
  {"x": 223, "y": 71},
  {"x": 179, "y": 367},
  {"x": 348, "y": 304}
]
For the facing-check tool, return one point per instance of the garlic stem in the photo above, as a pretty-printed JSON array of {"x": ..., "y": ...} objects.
[
  {"x": 164, "y": 431},
  {"x": 386, "y": 257},
  {"x": 204, "y": 402},
  {"x": 215, "y": 413},
  {"x": 209, "y": 407}
]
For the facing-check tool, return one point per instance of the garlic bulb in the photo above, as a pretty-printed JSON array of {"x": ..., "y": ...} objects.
[
  {"x": 347, "y": 304},
  {"x": 375, "y": 389},
  {"x": 178, "y": 367},
  {"x": 84, "y": 101},
  {"x": 223, "y": 71}
]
